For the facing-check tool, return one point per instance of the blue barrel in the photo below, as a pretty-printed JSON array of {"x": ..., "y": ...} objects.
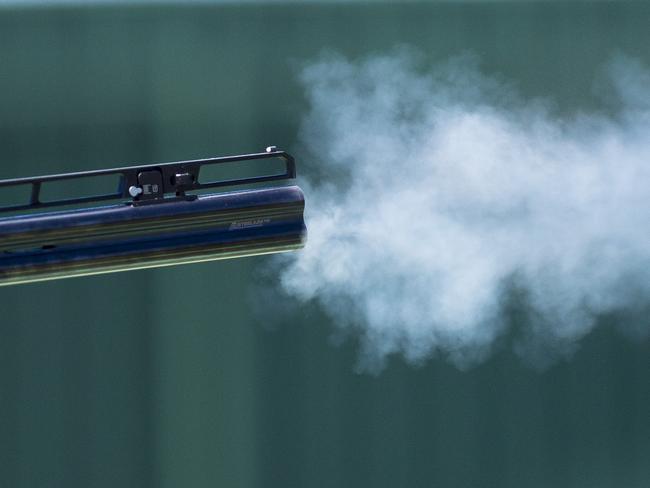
[{"x": 126, "y": 236}]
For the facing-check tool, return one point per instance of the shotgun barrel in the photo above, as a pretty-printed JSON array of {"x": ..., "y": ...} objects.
[{"x": 163, "y": 219}]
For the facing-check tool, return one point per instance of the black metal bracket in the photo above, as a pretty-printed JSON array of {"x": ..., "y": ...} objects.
[{"x": 151, "y": 183}]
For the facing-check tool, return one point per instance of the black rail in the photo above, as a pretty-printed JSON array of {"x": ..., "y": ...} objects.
[{"x": 150, "y": 183}]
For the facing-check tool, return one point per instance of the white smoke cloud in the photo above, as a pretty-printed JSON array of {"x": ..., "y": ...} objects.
[{"x": 444, "y": 202}]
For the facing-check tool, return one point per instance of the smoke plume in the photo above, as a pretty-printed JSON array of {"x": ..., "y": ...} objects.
[{"x": 445, "y": 210}]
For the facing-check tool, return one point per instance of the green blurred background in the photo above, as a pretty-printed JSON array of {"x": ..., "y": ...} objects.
[{"x": 175, "y": 377}]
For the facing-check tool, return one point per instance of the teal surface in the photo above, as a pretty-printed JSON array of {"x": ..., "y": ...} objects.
[{"x": 179, "y": 377}]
